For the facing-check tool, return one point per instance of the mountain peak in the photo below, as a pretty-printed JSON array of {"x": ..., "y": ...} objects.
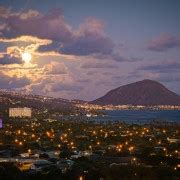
[{"x": 145, "y": 92}]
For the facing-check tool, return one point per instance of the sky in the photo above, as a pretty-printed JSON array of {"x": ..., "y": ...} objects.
[{"x": 82, "y": 49}]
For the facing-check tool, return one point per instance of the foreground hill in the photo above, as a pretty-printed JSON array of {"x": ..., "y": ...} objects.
[
  {"x": 146, "y": 92},
  {"x": 39, "y": 103}
]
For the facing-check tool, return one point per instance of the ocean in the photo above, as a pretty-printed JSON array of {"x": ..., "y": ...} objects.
[{"x": 140, "y": 116}]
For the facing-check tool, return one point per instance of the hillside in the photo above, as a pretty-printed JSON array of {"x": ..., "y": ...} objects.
[
  {"x": 146, "y": 92},
  {"x": 39, "y": 103}
]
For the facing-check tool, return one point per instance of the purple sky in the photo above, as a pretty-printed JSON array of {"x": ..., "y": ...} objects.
[{"x": 81, "y": 49}]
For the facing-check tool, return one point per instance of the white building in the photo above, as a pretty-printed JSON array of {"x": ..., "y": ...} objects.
[{"x": 20, "y": 112}]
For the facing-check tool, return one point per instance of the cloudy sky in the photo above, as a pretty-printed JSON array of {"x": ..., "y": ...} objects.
[{"x": 80, "y": 49}]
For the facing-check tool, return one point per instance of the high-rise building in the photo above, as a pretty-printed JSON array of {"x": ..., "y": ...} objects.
[{"x": 20, "y": 112}]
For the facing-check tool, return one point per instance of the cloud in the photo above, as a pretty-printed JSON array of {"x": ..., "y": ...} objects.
[
  {"x": 49, "y": 26},
  {"x": 29, "y": 39},
  {"x": 117, "y": 57},
  {"x": 18, "y": 67},
  {"x": 7, "y": 59},
  {"x": 8, "y": 82},
  {"x": 5, "y": 12},
  {"x": 84, "y": 80},
  {"x": 63, "y": 57},
  {"x": 58, "y": 36},
  {"x": 29, "y": 14},
  {"x": 12, "y": 54},
  {"x": 55, "y": 68},
  {"x": 90, "y": 38},
  {"x": 163, "y": 43},
  {"x": 65, "y": 87},
  {"x": 98, "y": 65},
  {"x": 170, "y": 66},
  {"x": 50, "y": 85},
  {"x": 3, "y": 25},
  {"x": 24, "y": 43}
]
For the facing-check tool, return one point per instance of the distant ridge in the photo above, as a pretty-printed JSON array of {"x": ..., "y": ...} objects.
[
  {"x": 146, "y": 92},
  {"x": 10, "y": 98}
]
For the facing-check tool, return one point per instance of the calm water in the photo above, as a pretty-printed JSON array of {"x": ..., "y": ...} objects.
[{"x": 141, "y": 116}]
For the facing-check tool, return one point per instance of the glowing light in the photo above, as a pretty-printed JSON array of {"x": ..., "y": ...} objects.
[
  {"x": 164, "y": 131},
  {"x": 59, "y": 145},
  {"x": 20, "y": 143},
  {"x": 72, "y": 143},
  {"x": 26, "y": 57}
]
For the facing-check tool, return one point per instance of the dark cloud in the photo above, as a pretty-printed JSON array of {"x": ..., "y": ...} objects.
[
  {"x": 117, "y": 57},
  {"x": 54, "y": 46},
  {"x": 7, "y": 82},
  {"x": 88, "y": 45},
  {"x": 163, "y": 43},
  {"x": 88, "y": 39},
  {"x": 49, "y": 26},
  {"x": 163, "y": 67},
  {"x": 97, "y": 65},
  {"x": 8, "y": 59}
]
